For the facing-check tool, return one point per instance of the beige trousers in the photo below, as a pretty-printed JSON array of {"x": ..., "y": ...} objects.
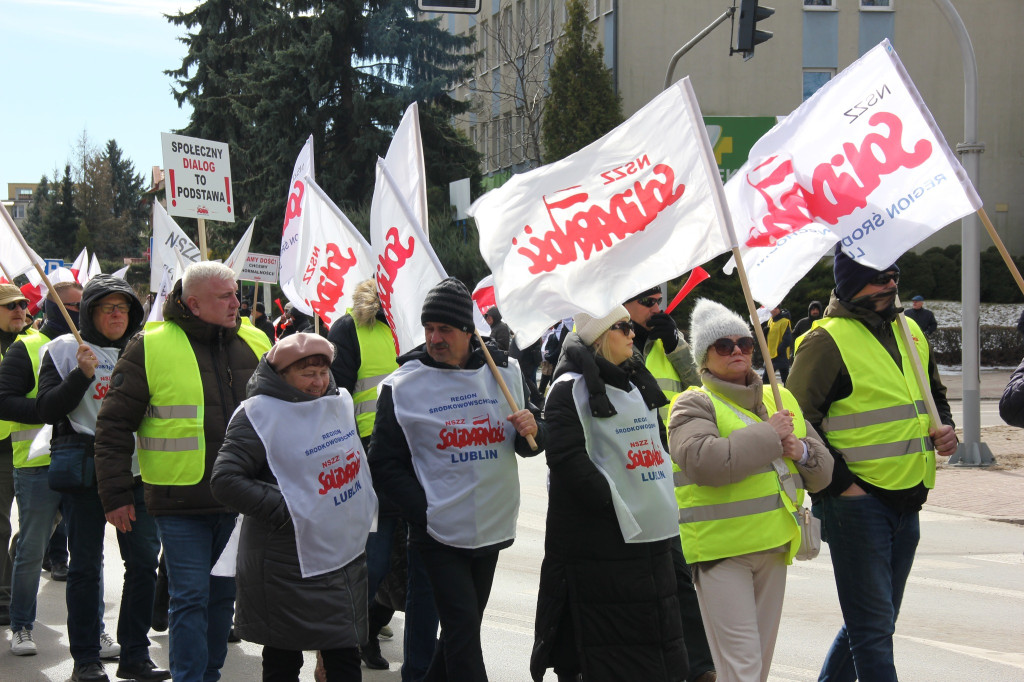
[{"x": 741, "y": 604}]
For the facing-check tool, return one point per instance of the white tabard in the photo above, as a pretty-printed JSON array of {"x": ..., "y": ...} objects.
[
  {"x": 627, "y": 449},
  {"x": 314, "y": 451},
  {"x": 463, "y": 449}
]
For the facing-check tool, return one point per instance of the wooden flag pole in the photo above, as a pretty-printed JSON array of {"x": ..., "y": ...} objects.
[
  {"x": 6, "y": 274},
  {"x": 46, "y": 280},
  {"x": 915, "y": 360},
  {"x": 758, "y": 333},
  {"x": 202, "y": 239},
  {"x": 501, "y": 382},
  {"x": 1001, "y": 248}
]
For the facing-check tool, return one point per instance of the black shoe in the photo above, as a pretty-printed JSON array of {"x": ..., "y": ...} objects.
[
  {"x": 160, "y": 620},
  {"x": 89, "y": 672},
  {"x": 5, "y": 614},
  {"x": 372, "y": 658},
  {"x": 59, "y": 572},
  {"x": 143, "y": 671}
]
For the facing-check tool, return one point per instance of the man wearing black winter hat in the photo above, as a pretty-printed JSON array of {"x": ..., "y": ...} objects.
[
  {"x": 444, "y": 441},
  {"x": 853, "y": 379}
]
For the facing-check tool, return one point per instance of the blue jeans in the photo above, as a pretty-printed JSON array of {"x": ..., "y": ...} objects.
[
  {"x": 139, "y": 548},
  {"x": 872, "y": 549},
  {"x": 37, "y": 509},
  {"x": 202, "y": 605}
]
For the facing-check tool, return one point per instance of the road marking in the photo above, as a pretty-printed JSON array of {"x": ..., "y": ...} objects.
[
  {"x": 999, "y": 558},
  {"x": 1015, "y": 660},
  {"x": 935, "y": 582}
]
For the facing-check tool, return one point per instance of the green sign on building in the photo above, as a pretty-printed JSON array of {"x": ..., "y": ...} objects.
[{"x": 732, "y": 137}]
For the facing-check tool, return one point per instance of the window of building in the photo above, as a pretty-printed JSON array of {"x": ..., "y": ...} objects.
[
  {"x": 814, "y": 79},
  {"x": 18, "y": 211},
  {"x": 876, "y": 5},
  {"x": 484, "y": 139},
  {"x": 484, "y": 43},
  {"x": 819, "y": 4}
]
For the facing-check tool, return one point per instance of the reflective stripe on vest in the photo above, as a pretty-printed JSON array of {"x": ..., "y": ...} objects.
[
  {"x": 882, "y": 426},
  {"x": 377, "y": 360},
  {"x": 751, "y": 515},
  {"x": 22, "y": 434},
  {"x": 172, "y": 445}
]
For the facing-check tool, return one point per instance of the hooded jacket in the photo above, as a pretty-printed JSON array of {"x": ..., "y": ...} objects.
[
  {"x": 804, "y": 324},
  {"x": 275, "y": 605},
  {"x": 225, "y": 365}
]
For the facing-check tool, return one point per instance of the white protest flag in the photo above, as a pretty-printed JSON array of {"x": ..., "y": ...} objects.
[
  {"x": 15, "y": 259},
  {"x": 335, "y": 257},
  {"x": 406, "y": 266},
  {"x": 80, "y": 267},
  {"x": 168, "y": 278},
  {"x": 861, "y": 162},
  {"x": 94, "y": 268},
  {"x": 169, "y": 244},
  {"x": 236, "y": 261},
  {"x": 122, "y": 273},
  {"x": 632, "y": 210},
  {"x": 292, "y": 262},
  {"x": 483, "y": 299}
]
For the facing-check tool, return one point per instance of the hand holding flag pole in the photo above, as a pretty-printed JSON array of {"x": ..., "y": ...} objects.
[
  {"x": 46, "y": 280},
  {"x": 501, "y": 383}
]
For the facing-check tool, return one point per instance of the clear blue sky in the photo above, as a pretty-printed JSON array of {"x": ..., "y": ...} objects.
[{"x": 85, "y": 65}]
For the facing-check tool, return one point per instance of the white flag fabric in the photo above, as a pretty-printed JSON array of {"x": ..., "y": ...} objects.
[
  {"x": 634, "y": 209},
  {"x": 80, "y": 267},
  {"x": 862, "y": 162},
  {"x": 483, "y": 299},
  {"x": 169, "y": 244},
  {"x": 169, "y": 276},
  {"x": 406, "y": 266},
  {"x": 236, "y": 261},
  {"x": 13, "y": 257},
  {"x": 94, "y": 268},
  {"x": 335, "y": 257},
  {"x": 291, "y": 261},
  {"x": 122, "y": 273}
]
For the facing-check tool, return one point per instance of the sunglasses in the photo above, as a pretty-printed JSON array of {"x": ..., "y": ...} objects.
[
  {"x": 649, "y": 301},
  {"x": 624, "y": 327},
  {"x": 17, "y": 304},
  {"x": 72, "y": 306},
  {"x": 882, "y": 278},
  {"x": 727, "y": 346}
]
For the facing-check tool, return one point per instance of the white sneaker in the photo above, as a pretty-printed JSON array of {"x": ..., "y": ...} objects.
[
  {"x": 22, "y": 644},
  {"x": 108, "y": 647}
]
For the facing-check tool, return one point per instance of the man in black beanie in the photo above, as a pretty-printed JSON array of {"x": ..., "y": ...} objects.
[
  {"x": 443, "y": 440},
  {"x": 853, "y": 378}
]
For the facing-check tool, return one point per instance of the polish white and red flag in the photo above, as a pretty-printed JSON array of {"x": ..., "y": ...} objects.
[
  {"x": 483, "y": 298},
  {"x": 861, "y": 162},
  {"x": 80, "y": 268},
  {"x": 94, "y": 268},
  {"x": 406, "y": 266},
  {"x": 291, "y": 260},
  {"x": 334, "y": 256},
  {"x": 640, "y": 206}
]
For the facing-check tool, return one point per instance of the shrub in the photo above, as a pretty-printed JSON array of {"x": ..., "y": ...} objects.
[{"x": 1000, "y": 346}]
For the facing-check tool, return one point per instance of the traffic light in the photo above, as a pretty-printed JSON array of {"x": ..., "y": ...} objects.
[
  {"x": 460, "y": 6},
  {"x": 748, "y": 35}
]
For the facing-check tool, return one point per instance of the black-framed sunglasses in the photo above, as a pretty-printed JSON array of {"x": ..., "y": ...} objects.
[
  {"x": 649, "y": 301},
  {"x": 725, "y": 346},
  {"x": 882, "y": 278},
  {"x": 624, "y": 327},
  {"x": 72, "y": 306},
  {"x": 16, "y": 304}
]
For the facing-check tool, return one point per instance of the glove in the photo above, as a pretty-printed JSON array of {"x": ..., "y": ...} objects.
[{"x": 662, "y": 326}]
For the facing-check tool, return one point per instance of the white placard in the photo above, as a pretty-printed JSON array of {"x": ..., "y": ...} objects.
[
  {"x": 260, "y": 267},
  {"x": 198, "y": 183}
]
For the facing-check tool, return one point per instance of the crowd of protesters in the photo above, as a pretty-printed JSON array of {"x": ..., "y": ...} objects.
[{"x": 363, "y": 482}]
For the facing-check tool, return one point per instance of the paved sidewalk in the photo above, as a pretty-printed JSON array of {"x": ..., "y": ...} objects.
[{"x": 991, "y": 493}]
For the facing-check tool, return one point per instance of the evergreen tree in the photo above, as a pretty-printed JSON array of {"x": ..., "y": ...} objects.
[
  {"x": 583, "y": 104},
  {"x": 127, "y": 188},
  {"x": 52, "y": 222}
]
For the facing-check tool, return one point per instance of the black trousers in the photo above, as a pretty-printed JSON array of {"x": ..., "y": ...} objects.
[
  {"x": 461, "y": 584},
  {"x": 283, "y": 665}
]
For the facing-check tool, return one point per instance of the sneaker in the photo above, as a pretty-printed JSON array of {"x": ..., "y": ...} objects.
[
  {"x": 22, "y": 644},
  {"x": 89, "y": 672},
  {"x": 109, "y": 649},
  {"x": 59, "y": 572},
  {"x": 386, "y": 632}
]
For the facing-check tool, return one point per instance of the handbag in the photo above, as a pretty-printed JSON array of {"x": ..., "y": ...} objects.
[
  {"x": 72, "y": 466},
  {"x": 810, "y": 525}
]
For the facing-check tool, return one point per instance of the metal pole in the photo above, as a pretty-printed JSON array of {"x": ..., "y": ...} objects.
[
  {"x": 970, "y": 452},
  {"x": 693, "y": 41}
]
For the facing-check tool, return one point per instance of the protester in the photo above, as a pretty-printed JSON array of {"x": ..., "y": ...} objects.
[
  {"x": 301, "y": 566},
  {"x": 551, "y": 348},
  {"x": 744, "y": 465},
  {"x": 610, "y": 519},
  {"x": 501, "y": 335},
  {"x": 853, "y": 379},
  {"x": 73, "y": 379},
  {"x": 38, "y": 505},
  {"x": 13, "y": 326},
  {"x": 660, "y": 345},
  {"x": 444, "y": 450},
  {"x": 261, "y": 322},
  {"x": 780, "y": 344},
  {"x": 1011, "y": 404},
  {"x": 925, "y": 318},
  {"x": 284, "y": 323},
  {"x": 177, "y": 384},
  {"x": 804, "y": 324},
  {"x": 366, "y": 355}
]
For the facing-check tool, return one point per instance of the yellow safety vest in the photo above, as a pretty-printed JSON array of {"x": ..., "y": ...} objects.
[
  {"x": 22, "y": 434},
  {"x": 671, "y": 384},
  {"x": 172, "y": 444},
  {"x": 882, "y": 427},
  {"x": 377, "y": 360},
  {"x": 751, "y": 515},
  {"x": 776, "y": 330}
]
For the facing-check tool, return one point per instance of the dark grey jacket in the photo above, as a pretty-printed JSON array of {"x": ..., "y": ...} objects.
[{"x": 275, "y": 605}]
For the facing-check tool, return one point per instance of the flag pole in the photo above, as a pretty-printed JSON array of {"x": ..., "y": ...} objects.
[
  {"x": 46, "y": 280},
  {"x": 7, "y": 274},
  {"x": 202, "y": 238},
  {"x": 1000, "y": 246},
  {"x": 762, "y": 343},
  {"x": 915, "y": 360},
  {"x": 501, "y": 383}
]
